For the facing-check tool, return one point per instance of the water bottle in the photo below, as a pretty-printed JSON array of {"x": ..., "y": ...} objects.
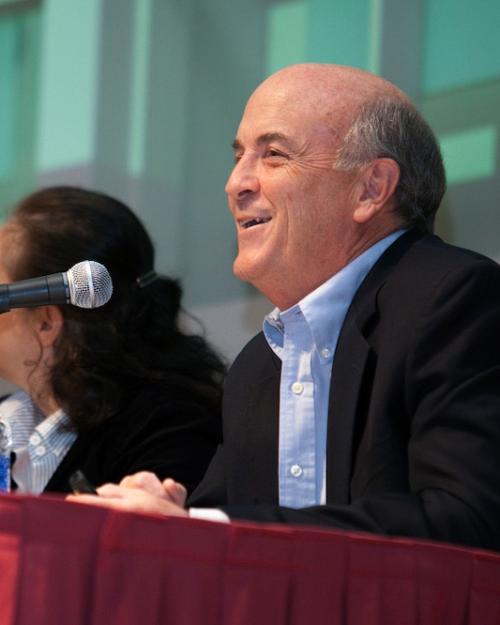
[{"x": 5, "y": 449}]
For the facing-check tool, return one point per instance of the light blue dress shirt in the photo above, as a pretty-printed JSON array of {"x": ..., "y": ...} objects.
[{"x": 304, "y": 337}]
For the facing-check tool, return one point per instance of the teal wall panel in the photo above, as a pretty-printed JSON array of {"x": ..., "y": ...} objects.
[
  {"x": 9, "y": 72},
  {"x": 470, "y": 154},
  {"x": 339, "y": 32},
  {"x": 461, "y": 43},
  {"x": 69, "y": 82},
  {"x": 286, "y": 34},
  {"x": 322, "y": 31},
  {"x": 19, "y": 58}
]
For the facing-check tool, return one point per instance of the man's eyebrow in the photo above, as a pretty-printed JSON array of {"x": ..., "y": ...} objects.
[{"x": 267, "y": 137}]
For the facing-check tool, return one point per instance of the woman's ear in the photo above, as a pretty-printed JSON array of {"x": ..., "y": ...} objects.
[{"x": 49, "y": 321}]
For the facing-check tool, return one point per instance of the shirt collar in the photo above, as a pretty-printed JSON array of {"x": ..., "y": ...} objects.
[
  {"x": 55, "y": 433},
  {"x": 25, "y": 418},
  {"x": 325, "y": 308},
  {"x": 22, "y": 415}
]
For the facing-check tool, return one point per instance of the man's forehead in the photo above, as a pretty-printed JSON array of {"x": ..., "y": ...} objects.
[
  {"x": 283, "y": 106},
  {"x": 288, "y": 125}
]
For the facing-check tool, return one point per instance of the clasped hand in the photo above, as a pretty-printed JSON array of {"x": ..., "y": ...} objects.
[{"x": 141, "y": 492}]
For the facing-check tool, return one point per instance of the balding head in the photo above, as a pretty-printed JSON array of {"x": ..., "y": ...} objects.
[{"x": 334, "y": 92}]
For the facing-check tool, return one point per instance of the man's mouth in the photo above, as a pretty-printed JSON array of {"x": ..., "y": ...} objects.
[{"x": 254, "y": 222}]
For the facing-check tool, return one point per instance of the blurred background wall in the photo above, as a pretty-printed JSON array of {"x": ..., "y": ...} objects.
[{"x": 141, "y": 99}]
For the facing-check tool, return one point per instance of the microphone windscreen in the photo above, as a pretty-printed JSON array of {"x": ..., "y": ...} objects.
[{"x": 90, "y": 284}]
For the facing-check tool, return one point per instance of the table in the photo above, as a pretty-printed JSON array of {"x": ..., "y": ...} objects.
[{"x": 70, "y": 564}]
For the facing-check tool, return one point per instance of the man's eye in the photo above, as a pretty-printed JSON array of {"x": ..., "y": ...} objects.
[{"x": 274, "y": 153}]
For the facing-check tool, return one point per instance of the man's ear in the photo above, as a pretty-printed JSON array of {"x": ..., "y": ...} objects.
[
  {"x": 49, "y": 321},
  {"x": 377, "y": 185}
]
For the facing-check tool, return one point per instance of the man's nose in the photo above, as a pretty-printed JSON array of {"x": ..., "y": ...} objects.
[{"x": 242, "y": 181}]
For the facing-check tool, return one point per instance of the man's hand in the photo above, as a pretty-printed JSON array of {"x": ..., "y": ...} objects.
[
  {"x": 169, "y": 489},
  {"x": 142, "y": 492}
]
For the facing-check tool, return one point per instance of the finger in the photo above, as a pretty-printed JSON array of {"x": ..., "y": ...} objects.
[
  {"x": 113, "y": 491},
  {"x": 176, "y": 492},
  {"x": 143, "y": 480},
  {"x": 100, "y": 502},
  {"x": 128, "y": 481}
]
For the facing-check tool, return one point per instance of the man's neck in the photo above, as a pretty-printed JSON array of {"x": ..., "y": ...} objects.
[{"x": 292, "y": 289}]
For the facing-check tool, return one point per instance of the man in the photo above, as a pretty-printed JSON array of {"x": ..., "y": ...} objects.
[{"x": 371, "y": 401}]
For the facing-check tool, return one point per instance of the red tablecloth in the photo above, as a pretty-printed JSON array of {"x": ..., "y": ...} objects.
[{"x": 69, "y": 564}]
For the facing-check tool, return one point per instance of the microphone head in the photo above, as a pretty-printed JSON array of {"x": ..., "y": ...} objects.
[{"x": 90, "y": 284}]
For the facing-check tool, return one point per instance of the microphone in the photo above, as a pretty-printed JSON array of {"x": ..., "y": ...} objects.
[{"x": 86, "y": 285}]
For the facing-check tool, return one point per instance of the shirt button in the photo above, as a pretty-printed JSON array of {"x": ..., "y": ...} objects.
[
  {"x": 35, "y": 439},
  {"x": 296, "y": 470},
  {"x": 40, "y": 450},
  {"x": 325, "y": 352},
  {"x": 297, "y": 388}
]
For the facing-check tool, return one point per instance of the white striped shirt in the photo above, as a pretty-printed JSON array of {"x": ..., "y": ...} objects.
[{"x": 40, "y": 443}]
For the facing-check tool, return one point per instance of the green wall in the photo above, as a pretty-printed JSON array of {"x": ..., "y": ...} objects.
[
  {"x": 462, "y": 43},
  {"x": 19, "y": 79},
  {"x": 68, "y": 83}
]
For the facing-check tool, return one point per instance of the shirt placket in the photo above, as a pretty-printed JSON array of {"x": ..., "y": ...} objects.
[{"x": 297, "y": 463}]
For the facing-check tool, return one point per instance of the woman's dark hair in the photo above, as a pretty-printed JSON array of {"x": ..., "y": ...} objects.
[{"x": 103, "y": 353}]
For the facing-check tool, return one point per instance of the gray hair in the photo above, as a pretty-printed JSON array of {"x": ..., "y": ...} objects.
[{"x": 393, "y": 128}]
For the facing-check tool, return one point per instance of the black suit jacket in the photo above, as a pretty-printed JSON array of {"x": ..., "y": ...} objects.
[
  {"x": 164, "y": 430},
  {"x": 413, "y": 443}
]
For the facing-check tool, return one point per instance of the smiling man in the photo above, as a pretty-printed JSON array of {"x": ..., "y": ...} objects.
[{"x": 371, "y": 400}]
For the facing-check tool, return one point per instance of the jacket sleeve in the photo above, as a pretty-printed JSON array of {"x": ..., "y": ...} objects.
[
  {"x": 175, "y": 438},
  {"x": 212, "y": 489}
]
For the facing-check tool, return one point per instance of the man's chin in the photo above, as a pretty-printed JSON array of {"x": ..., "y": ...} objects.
[{"x": 247, "y": 270}]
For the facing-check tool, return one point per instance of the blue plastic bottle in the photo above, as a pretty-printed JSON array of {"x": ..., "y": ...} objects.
[{"x": 5, "y": 449}]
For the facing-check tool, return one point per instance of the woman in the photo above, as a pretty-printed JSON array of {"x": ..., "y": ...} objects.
[{"x": 112, "y": 390}]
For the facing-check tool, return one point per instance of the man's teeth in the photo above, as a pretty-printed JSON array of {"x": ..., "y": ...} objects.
[{"x": 256, "y": 222}]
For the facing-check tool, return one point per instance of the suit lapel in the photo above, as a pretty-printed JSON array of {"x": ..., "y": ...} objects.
[
  {"x": 350, "y": 364},
  {"x": 251, "y": 417},
  {"x": 263, "y": 437},
  {"x": 345, "y": 389}
]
